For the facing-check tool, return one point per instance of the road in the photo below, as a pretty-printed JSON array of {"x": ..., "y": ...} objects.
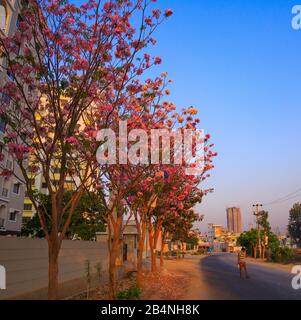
[{"x": 220, "y": 280}]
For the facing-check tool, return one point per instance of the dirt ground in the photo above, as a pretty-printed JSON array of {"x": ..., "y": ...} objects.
[
  {"x": 194, "y": 287},
  {"x": 273, "y": 265},
  {"x": 178, "y": 280}
]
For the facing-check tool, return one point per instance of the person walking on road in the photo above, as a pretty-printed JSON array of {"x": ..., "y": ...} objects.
[{"x": 241, "y": 261}]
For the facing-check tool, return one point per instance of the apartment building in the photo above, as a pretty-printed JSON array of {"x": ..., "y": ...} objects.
[
  {"x": 234, "y": 220},
  {"x": 12, "y": 189},
  {"x": 39, "y": 183},
  {"x": 221, "y": 239},
  {"x": 215, "y": 231}
]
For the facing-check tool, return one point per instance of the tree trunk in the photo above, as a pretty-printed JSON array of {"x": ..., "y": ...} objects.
[
  {"x": 114, "y": 227},
  {"x": 151, "y": 238},
  {"x": 53, "y": 268},
  {"x": 162, "y": 250},
  {"x": 113, "y": 255},
  {"x": 259, "y": 253},
  {"x": 263, "y": 247},
  {"x": 255, "y": 251},
  {"x": 139, "y": 264},
  {"x": 154, "y": 264},
  {"x": 141, "y": 241},
  {"x": 153, "y": 257}
]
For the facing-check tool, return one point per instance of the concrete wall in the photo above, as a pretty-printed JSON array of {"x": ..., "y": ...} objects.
[{"x": 26, "y": 263}]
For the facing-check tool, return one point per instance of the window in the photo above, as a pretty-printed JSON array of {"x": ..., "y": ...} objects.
[
  {"x": 5, "y": 192},
  {"x": 19, "y": 19},
  {"x": 44, "y": 185},
  {"x": 13, "y": 216},
  {"x": 2, "y": 156},
  {"x": 3, "y": 16},
  {"x": 10, "y": 75},
  {"x": 16, "y": 188},
  {"x": 55, "y": 183},
  {"x": 28, "y": 206},
  {"x": 56, "y": 170},
  {"x": 2, "y": 125},
  {"x": 1, "y": 223}
]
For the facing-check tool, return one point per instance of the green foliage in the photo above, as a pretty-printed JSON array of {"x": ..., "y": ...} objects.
[
  {"x": 273, "y": 242},
  {"x": 32, "y": 227},
  {"x": 294, "y": 226},
  {"x": 86, "y": 220},
  {"x": 192, "y": 240},
  {"x": 248, "y": 240},
  {"x": 130, "y": 274},
  {"x": 132, "y": 293},
  {"x": 264, "y": 221},
  {"x": 282, "y": 255},
  {"x": 200, "y": 252}
]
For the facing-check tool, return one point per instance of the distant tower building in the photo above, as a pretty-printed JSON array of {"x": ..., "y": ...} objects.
[{"x": 234, "y": 219}]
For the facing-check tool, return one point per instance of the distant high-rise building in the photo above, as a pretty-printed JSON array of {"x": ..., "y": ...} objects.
[{"x": 234, "y": 220}]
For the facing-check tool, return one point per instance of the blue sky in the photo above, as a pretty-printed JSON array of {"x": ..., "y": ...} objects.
[{"x": 239, "y": 63}]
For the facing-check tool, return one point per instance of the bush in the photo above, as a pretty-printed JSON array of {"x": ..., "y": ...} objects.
[
  {"x": 132, "y": 293},
  {"x": 282, "y": 255},
  {"x": 200, "y": 252},
  {"x": 297, "y": 256},
  {"x": 130, "y": 274}
]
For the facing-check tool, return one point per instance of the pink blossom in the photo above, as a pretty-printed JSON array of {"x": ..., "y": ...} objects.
[
  {"x": 168, "y": 12},
  {"x": 72, "y": 140}
]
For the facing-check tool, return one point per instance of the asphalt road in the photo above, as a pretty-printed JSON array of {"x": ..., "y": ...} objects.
[{"x": 221, "y": 276}]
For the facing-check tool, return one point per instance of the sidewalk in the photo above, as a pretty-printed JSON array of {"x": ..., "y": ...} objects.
[{"x": 179, "y": 280}]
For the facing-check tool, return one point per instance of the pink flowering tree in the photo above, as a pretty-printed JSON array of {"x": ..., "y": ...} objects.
[
  {"x": 70, "y": 71},
  {"x": 165, "y": 190},
  {"x": 121, "y": 182}
]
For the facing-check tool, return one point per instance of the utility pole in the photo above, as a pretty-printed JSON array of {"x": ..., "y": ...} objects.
[{"x": 257, "y": 214}]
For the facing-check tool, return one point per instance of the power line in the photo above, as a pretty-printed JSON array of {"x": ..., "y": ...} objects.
[
  {"x": 288, "y": 197},
  {"x": 285, "y": 200}
]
